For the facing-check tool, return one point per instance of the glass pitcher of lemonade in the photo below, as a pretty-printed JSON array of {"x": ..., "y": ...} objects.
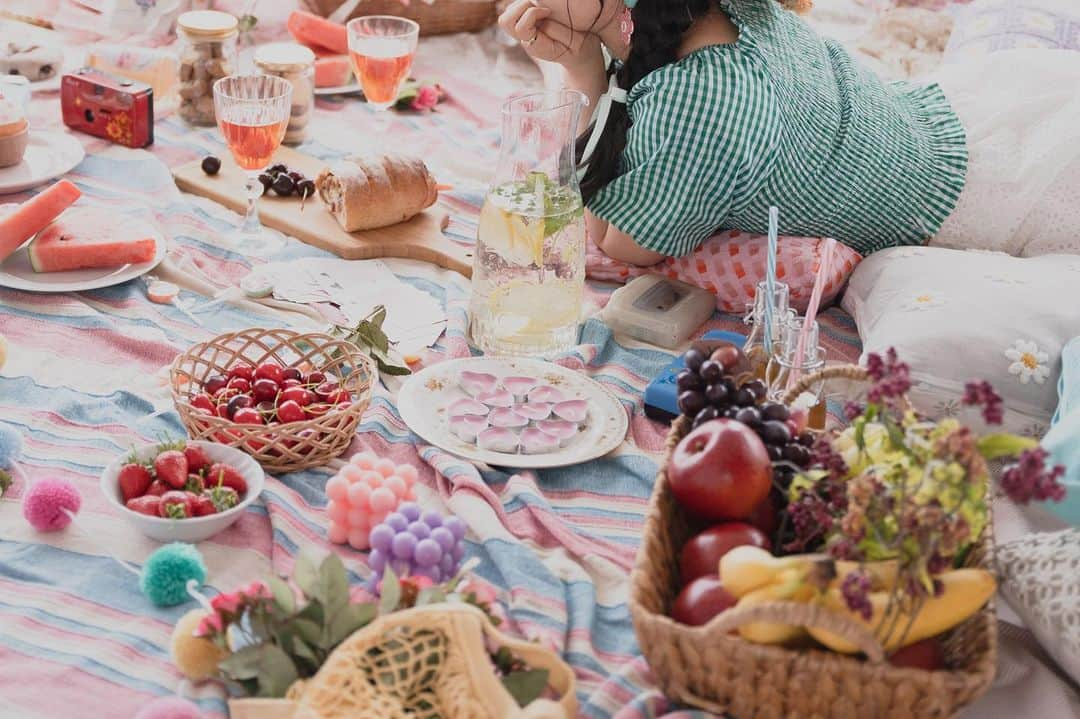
[{"x": 528, "y": 281}]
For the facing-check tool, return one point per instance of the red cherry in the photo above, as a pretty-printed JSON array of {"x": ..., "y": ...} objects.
[
  {"x": 215, "y": 383},
  {"x": 243, "y": 370},
  {"x": 290, "y": 411},
  {"x": 285, "y": 384},
  {"x": 315, "y": 378},
  {"x": 223, "y": 410},
  {"x": 247, "y": 415},
  {"x": 266, "y": 409},
  {"x": 292, "y": 373},
  {"x": 340, "y": 397},
  {"x": 270, "y": 370},
  {"x": 317, "y": 410},
  {"x": 264, "y": 389},
  {"x": 239, "y": 384},
  {"x": 301, "y": 396},
  {"x": 240, "y": 401},
  {"x": 203, "y": 402},
  {"x": 325, "y": 390}
]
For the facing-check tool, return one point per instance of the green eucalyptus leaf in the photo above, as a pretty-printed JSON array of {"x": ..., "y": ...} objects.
[
  {"x": 391, "y": 592},
  {"x": 276, "y": 671},
  {"x": 378, "y": 316},
  {"x": 305, "y": 574},
  {"x": 242, "y": 664},
  {"x": 301, "y": 649},
  {"x": 430, "y": 595},
  {"x": 283, "y": 594},
  {"x": 349, "y": 619},
  {"x": 1001, "y": 445},
  {"x": 307, "y": 630},
  {"x": 526, "y": 686},
  {"x": 332, "y": 588}
]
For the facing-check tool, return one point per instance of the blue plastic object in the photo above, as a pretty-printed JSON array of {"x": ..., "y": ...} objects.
[
  {"x": 1063, "y": 439},
  {"x": 661, "y": 395}
]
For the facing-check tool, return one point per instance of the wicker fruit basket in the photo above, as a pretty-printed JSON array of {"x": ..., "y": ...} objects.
[
  {"x": 441, "y": 17},
  {"x": 713, "y": 669},
  {"x": 286, "y": 447}
]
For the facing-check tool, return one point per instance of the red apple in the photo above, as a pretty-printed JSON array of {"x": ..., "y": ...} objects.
[
  {"x": 720, "y": 471},
  {"x": 926, "y": 654},
  {"x": 701, "y": 600},
  {"x": 765, "y": 517},
  {"x": 701, "y": 555}
]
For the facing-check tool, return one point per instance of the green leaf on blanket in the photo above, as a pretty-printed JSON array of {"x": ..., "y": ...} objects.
[
  {"x": 391, "y": 592},
  {"x": 5, "y": 482},
  {"x": 999, "y": 446},
  {"x": 283, "y": 594},
  {"x": 368, "y": 335},
  {"x": 526, "y": 686},
  {"x": 332, "y": 587},
  {"x": 305, "y": 574}
]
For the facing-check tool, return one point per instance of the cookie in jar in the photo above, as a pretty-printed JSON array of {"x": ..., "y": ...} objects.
[
  {"x": 207, "y": 53},
  {"x": 296, "y": 64}
]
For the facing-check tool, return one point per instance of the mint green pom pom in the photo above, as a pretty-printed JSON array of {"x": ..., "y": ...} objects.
[{"x": 168, "y": 570}]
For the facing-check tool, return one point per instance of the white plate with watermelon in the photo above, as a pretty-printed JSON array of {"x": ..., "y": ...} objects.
[{"x": 84, "y": 236}]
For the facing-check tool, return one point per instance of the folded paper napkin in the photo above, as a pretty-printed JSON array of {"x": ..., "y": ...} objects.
[
  {"x": 1039, "y": 578},
  {"x": 1061, "y": 440}
]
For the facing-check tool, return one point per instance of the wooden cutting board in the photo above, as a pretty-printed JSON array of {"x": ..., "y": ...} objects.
[{"x": 420, "y": 238}]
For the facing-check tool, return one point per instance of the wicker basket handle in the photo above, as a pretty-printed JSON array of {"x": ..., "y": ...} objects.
[
  {"x": 801, "y": 615},
  {"x": 843, "y": 371}
]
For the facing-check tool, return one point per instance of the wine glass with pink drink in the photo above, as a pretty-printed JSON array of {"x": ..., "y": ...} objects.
[{"x": 382, "y": 49}]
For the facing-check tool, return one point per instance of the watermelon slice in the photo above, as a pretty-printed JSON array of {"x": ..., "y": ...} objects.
[
  {"x": 318, "y": 32},
  {"x": 30, "y": 217},
  {"x": 89, "y": 238},
  {"x": 332, "y": 71}
]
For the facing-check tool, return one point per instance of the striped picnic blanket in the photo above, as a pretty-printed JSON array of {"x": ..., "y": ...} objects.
[{"x": 86, "y": 379}]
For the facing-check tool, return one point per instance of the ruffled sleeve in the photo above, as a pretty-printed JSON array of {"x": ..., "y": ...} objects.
[{"x": 701, "y": 143}]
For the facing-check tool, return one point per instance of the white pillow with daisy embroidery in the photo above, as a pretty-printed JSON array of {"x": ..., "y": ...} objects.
[{"x": 955, "y": 315}]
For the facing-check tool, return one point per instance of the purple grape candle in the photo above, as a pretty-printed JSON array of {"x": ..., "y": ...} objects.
[{"x": 415, "y": 543}]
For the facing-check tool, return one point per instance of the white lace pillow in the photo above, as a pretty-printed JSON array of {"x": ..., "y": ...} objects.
[
  {"x": 1040, "y": 578},
  {"x": 958, "y": 315}
]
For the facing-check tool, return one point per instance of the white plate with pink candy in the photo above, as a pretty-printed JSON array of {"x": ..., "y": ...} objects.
[{"x": 513, "y": 412}]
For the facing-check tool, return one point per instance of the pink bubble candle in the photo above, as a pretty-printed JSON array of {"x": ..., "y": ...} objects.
[{"x": 362, "y": 494}]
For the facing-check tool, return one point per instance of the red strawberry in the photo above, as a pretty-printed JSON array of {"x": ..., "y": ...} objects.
[
  {"x": 176, "y": 505},
  {"x": 196, "y": 458},
  {"x": 157, "y": 488},
  {"x": 171, "y": 467},
  {"x": 202, "y": 506},
  {"x": 222, "y": 475},
  {"x": 134, "y": 480},
  {"x": 147, "y": 504},
  {"x": 194, "y": 484},
  {"x": 223, "y": 497}
]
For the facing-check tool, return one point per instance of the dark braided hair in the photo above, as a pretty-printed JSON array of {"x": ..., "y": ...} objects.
[{"x": 659, "y": 28}]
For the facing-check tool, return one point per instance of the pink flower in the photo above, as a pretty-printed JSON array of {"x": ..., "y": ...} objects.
[
  {"x": 257, "y": 590},
  {"x": 427, "y": 98},
  {"x": 210, "y": 625},
  {"x": 484, "y": 593},
  {"x": 228, "y": 603}
]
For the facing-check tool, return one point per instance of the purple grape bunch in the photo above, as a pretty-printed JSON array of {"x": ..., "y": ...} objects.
[{"x": 415, "y": 543}]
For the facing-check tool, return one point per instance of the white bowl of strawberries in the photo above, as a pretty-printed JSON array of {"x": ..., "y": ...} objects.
[{"x": 183, "y": 491}]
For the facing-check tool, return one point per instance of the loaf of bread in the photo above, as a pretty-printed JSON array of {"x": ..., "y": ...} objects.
[{"x": 372, "y": 192}]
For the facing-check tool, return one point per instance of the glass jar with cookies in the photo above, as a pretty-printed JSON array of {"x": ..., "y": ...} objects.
[{"x": 208, "y": 52}]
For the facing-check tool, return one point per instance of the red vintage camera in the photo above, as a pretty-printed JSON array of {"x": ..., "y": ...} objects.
[{"x": 114, "y": 108}]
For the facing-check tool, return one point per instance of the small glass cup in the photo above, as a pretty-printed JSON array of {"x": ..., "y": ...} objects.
[
  {"x": 253, "y": 113},
  {"x": 754, "y": 349},
  {"x": 382, "y": 48},
  {"x": 788, "y": 365}
]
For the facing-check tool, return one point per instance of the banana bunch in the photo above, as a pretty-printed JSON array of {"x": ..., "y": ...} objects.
[{"x": 755, "y": 577}]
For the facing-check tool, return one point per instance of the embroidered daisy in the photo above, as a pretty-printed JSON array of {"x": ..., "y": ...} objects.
[
  {"x": 1028, "y": 363},
  {"x": 946, "y": 408},
  {"x": 923, "y": 301}
]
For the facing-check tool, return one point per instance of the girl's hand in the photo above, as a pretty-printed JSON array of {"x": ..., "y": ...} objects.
[{"x": 545, "y": 39}]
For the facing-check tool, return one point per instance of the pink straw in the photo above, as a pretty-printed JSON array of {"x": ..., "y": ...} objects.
[{"x": 812, "y": 308}]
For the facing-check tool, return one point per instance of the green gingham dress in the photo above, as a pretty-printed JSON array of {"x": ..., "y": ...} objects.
[{"x": 783, "y": 117}]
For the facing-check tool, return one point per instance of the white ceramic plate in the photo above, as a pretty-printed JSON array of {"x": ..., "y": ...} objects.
[
  {"x": 425, "y": 396},
  {"x": 353, "y": 86},
  {"x": 17, "y": 274},
  {"x": 193, "y": 529},
  {"x": 48, "y": 156}
]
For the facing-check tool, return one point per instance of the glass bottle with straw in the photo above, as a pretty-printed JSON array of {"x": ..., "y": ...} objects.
[
  {"x": 770, "y": 308},
  {"x": 798, "y": 354}
]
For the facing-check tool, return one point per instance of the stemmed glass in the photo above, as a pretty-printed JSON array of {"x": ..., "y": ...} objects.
[
  {"x": 382, "y": 49},
  {"x": 253, "y": 112}
]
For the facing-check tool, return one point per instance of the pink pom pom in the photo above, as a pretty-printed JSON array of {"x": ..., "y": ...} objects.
[
  {"x": 170, "y": 708},
  {"x": 46, "y": 501}
]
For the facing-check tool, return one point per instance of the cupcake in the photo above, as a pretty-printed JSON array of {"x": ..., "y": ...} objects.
[{"x": 14, "y": 133}]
